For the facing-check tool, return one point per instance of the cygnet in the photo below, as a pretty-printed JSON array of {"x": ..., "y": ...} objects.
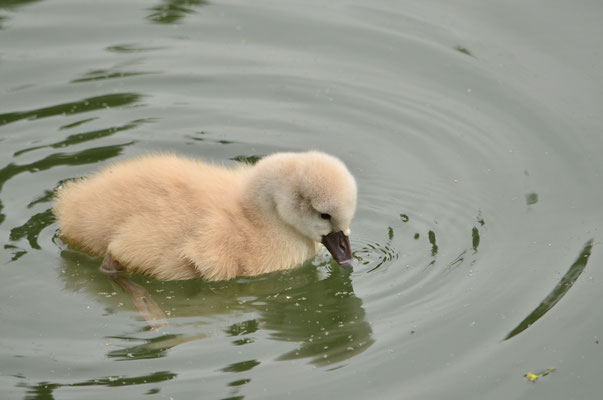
[{"x": 177, "y": 218}]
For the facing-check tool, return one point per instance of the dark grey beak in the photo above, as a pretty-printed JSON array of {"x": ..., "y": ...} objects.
[{"x": 338, "y": 245}]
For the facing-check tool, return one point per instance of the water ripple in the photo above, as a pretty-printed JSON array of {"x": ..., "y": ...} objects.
[
  {"x": 76, "y": 107},
  {"x": 476, "y": 149}
]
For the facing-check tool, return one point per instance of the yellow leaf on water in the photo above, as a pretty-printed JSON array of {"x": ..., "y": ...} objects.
[{"x": 533, "y": 377}]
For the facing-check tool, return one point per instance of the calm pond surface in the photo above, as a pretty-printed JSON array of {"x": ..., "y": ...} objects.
[{"x": 475, "y": 132}]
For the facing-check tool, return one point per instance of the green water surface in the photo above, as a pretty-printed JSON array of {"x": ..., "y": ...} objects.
[{"x": 474, "y": 130}]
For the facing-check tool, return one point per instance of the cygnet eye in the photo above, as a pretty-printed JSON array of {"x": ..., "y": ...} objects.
[{"x": 325, "y": 216}]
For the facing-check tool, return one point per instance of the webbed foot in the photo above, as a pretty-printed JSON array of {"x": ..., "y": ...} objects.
[{"x": 142, "y": 300}]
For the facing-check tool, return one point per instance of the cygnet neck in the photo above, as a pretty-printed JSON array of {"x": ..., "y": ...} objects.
[{"x": 266, "y": 179}]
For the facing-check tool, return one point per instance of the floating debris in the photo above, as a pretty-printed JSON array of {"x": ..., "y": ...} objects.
[
  {"x": 531, "y": 198},
  {"x": 463, "y": 50},
  {"x": 432, "y": 240},
  {"x": 533, "y": 377},
  {"x": 475, "y": 238}
]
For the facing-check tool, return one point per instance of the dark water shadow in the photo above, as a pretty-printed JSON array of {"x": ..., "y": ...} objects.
[
  {"x": 172, "y": 11},
  {"x": 321, "y": 314},
  {"x": 560, "y": 290},
  {"x": 202, "y": 136},
  {"x": 36, "y": 223},
  {"x": 12, "y": 5},
  {"x": 129, "y": 48},
  {"x": 80, "y": 106},
  {"x": 104, "y": 74},
  {"x": 463, "y": 50},
  {"x": 45, "y": 390},
  {"x": 87, "y": 136},
  {"x": 247, "y": 159},
  {"x": 88, "y": 156},
  {"x": 32, "y": 228}
]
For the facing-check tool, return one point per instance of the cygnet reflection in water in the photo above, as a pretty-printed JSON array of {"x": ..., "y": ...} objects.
[{"x": 315, "y": 309}]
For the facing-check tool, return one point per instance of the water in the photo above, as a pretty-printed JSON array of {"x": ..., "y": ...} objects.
[{"x": 474, "y": 132}]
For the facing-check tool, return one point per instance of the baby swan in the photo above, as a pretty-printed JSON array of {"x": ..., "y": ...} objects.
[{"x": 178, "y": 218}]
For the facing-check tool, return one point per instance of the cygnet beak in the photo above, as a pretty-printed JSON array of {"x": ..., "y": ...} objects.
[{"x": 338, "y": 245}]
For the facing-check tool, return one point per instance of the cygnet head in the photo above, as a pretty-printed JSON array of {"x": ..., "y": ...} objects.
[{"x": 312, "y": 192}]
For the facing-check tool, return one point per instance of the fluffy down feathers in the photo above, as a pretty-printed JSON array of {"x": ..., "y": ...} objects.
[{"x": 177, "y": 218}]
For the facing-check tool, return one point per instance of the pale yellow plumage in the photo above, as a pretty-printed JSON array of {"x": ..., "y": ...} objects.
[{"x": 177, "y": 218}]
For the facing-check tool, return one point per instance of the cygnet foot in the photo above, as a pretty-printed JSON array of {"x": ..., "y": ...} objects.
[{"x": 142, "y": 300}]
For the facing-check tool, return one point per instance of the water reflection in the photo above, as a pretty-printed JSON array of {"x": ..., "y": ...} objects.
[
  {"x": 45, "y": 390},
  {"x": 201, "y": 136},
  {"x": 36, "y": 223},
  {"x": 247, "y": 159},
  {"x": 104, "y": 74},
  {"x": 87, "y": 136},
  {"x": 463, "y": 50},
  {"x": 117, "y": 71},
  {"x": 11, "y": 5},
  {"x": 88, "y": 156},
  {"x": 16, "y": 252},
  {"x": 564, "y": 285},
  {"x": 328, "y": 322},
  {"x": 321, "y": 314},
  {"x": 155, "y": 347},
  {"x": 243, "y": 329},
  {"x": 32, "y": 228},
  {"x": 77, "y": 123},
  {"x": 172, "y": 11},
  {"x": 80, "y": 106},
  {"x": 130, "y": 48},
  {"x": 233, "y": 398},
  {"x": 241, "y": 366},
  {"x": 236, "y": 386}
]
